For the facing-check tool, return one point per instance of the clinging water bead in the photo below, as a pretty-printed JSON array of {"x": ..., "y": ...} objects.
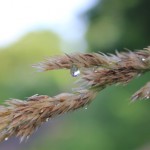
[{"x": 74, "y": 71}]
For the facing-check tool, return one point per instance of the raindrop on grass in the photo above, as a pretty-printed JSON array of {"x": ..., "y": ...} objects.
[
  {"x": 143, "y": 59},
  {"x": 42, "y": 111},
  {"x": 74, "y": 71},
  {"x": 86, "y": 108},
  {"x": 47, "y": 119}
]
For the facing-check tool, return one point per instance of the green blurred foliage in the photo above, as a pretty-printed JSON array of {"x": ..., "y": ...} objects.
[
  {"x": 115, "y": 24},
  {"x": 17, "y": 78}
]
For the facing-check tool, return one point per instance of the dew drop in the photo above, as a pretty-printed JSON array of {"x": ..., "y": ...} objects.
[
  {"x": 42, "y": 111},
  {"x": 85, "y": 108},
  {"x": 6, "y": 138},
  {"x": 143, "y": 59},
  {"x": 74, "y": 71},
  {"x": 47, "y": 119}
]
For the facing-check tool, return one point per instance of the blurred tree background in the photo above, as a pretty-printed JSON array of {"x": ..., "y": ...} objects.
[
  {"x": 117, "y": 24},
  {"x": 110, "y": 122}
]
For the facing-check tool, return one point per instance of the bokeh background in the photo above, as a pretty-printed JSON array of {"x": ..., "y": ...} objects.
[{"x": 31, "y": 30}]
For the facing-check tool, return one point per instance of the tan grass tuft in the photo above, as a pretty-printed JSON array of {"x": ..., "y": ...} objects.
[{"x": 97, "y": 71}]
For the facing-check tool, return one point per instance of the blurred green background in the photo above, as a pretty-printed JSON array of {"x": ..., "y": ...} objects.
[{"x": 110, "y": 122}]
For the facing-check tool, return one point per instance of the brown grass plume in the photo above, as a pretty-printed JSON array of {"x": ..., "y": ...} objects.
[{"x": 97, "y": 71}]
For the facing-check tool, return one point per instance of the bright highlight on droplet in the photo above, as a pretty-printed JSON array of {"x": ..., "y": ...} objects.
[
  {"x": 6, "y": 138},
  {"x": 74, "y": 71},
  {"x": 143, "y": 59},
  {"x": 47, "y": 119}
]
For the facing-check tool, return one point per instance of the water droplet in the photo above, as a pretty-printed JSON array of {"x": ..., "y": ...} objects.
[
  {"x": 74, "y": 71},
  {"x": 47, "y": 119},
  {"x": 6, "y": 138},
  {"x": 139, "y": 75},
  {"x": 143, "y": 59},
  {"x": 85, "y": 108},
  {"x": 42, "y": 111}
]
